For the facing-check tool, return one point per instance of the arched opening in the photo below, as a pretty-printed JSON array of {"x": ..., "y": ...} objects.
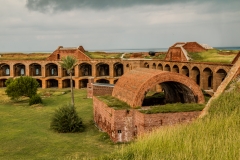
[
  {"x": 172, "y": 92},
  {"x": 2, "y": 83},
  {"x": 118, "y": 69},
  {"x": 102, "y": 81},
  {"x": 83, "y": 83},
  {"x": 146, "y": 65},
  {"x": 195, "y": 75},
  {"x": 160, "y": 67},
  {"x": 85, "y": 70},
  {"x": 220, "y": 76},
  {"x": 175, "y": 69},
  {"x": 4, "y": 69},
  {"x": 66, "y": 83},
  {"x": 154, "y": 66},
  {"x": 102, "y": 69},
  {"x": 51, "y": 70},
  {"x": 176, "y": 87},
  {"x": 128, "y": 67},
  {"x": 167, "y": 68},
  {"x": 35, "y": 69},
  {"x": 207, "y": 79},
  {"x": 185, "y": 71},
  {"x": 52, "y": 83},
  {"x": 39, "y": 82},
  {"x": 19, "y": 69}
]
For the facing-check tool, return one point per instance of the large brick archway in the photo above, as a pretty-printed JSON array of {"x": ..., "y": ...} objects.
[{"x": 132, "y": 86}]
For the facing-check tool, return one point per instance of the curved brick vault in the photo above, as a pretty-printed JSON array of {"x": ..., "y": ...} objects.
[{"x": 132, "y": 87}]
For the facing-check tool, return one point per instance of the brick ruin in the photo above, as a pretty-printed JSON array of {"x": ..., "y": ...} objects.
[{"x": 124, "y": 125}]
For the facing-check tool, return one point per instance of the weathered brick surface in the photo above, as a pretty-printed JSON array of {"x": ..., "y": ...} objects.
[
  {"x": 193, "y": 47},
  {"x": 132, "y": 86},
  {"x": 175, "y": 54},
  {"x": 63, "y": 52},
  {"x": 125, "y": 125}
]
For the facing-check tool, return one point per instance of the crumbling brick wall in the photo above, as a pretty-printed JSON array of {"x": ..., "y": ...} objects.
[{"x": 124, "y": 125}]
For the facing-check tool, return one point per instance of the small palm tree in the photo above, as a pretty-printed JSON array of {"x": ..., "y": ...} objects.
[{"x": 69, "y": 63}]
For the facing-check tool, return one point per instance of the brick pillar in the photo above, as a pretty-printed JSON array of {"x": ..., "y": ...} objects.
[
  {"x": 44, "y": 83},
  {"x": 111, "y": 71},
  {"x": 202, "y": 80},
  {"x": 59, "y": 71},
  {"x": 94, "y": 74},
  {"x": 27, "y": 68},
  {"x": 43, "y": 71},
  {"x": 90, "y": 88},
  {"x": 111, "y": 81},
  {"x": 76, "y": 69},
  {"x": 60, "y": 85},
  {"x": 11, "y": 70},
  {"x": 76, "y": 83}
]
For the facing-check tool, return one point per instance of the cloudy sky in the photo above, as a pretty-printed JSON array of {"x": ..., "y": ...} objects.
[{"x": 43, "y": 25}]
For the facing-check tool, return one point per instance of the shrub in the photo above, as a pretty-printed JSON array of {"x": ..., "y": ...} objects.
[
  {"x": 36, "y": 99},
  {"x": 66, "y": 119},
  {"x": 22, "y": 86}
]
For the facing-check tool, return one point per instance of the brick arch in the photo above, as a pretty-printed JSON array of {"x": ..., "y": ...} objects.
[
  {"x": 4, "y": 69},
  {"x": 175, "y": 68},
  {"x": 132, "y": 86}
]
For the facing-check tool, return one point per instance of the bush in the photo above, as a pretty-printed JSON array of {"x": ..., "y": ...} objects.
[
  {"x": 66, "y": 119},
  {"x": 36, "y": 99},
  {"x": 22, "y": 86}
]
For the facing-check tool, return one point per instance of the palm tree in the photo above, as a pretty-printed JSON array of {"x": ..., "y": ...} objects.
[{"x": 69, "y": 63}]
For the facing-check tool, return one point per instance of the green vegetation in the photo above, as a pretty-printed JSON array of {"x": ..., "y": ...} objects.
[
  {"x": 213, "y": 55},
  {"x": 26, "y": 134},
  {"x": 22, "y": 86},
  {"x": 214, "y": 137},
  {"x": 24, "y": 56},
  {"x": 69, "y": 63},
  {"x": 114, "y": 102},
  {"x": 103, "y": 55},
  {"x": 36, "y": 99},
  {"x": 172, "y": 108},
  {"x": 145, "y": 55},
  {"x": 66, "y": 120}
]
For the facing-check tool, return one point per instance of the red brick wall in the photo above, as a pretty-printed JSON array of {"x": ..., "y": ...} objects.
[
  {"x": 62, "y": 52},
  {"x": 175, "y": 54},
  {"x": 152, "y": 121},
  {"x": 125, "y": 125},
  {"x": 193, "y": 47}
]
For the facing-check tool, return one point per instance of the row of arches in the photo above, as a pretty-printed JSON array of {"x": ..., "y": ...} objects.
[
  {"x": 54, "y": 83},
  {"x": 206, "y": 78},
  {"x": 52, "y": 69}
]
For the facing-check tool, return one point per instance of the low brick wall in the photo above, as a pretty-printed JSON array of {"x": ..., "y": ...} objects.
[
  {"x": 99, "y": 89},
  {"x": 124, "y": 125}
]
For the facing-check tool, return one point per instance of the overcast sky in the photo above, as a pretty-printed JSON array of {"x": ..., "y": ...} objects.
[{"x": 43, "y": 25}]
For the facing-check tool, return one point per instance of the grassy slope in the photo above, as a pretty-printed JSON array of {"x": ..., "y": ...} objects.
[
  {"x": 25, "y": 133},
  {"x": 216, "y": 136},
  {"x": 213, "y": 56},
  {"x": 103, "y": 55}
]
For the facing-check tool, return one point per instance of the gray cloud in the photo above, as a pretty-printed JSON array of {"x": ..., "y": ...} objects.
[{"x": 63, "y": 5}]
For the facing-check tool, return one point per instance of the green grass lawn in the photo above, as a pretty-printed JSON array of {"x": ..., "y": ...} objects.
[
  {"x": 213, "y": 55},
  {"x": 25, "y": 132}
]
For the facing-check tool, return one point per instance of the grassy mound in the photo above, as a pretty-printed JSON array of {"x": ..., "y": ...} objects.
[
  {"x": 214, "y": 56},
  {"x": 216, "y": 136}
]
